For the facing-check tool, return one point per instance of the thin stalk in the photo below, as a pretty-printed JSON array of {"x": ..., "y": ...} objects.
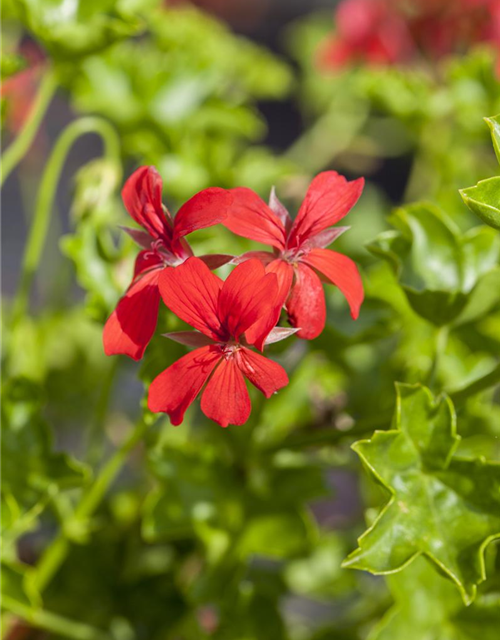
[
  {"x": 95, "y": 429},
  {"x": 21, "y": 145},
  {"x": 489, "y": 380},
  {"x": 46, "y": 194},
  {"x": 55, "y": 554},
  {"x": 331, "y": 435},
  {"x": 53, "y": 623},
  {"x": 441, "y": 340}
]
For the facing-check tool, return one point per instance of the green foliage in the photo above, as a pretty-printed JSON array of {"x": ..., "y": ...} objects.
[
  {"x": 427, "y": 606},
  {"x": 188, "y": 110},
  {"x": 196, "y": 532},
  {"x": 364, "y": 113},
  {"x": 434, "y": 492},
  {"x": 32, "y": 472},
  {"x": 437, "y": 266},
  {"x": 484, "y": 198},
  {"x": 75, "y": 29}
]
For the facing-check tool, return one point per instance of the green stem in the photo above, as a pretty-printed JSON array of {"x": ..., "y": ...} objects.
[
  {"x": 54, "y": 555},
  {"x": 331, "y": 436},
  {"x": 489, "y": 380},
  {"x": 21, "y": 145},
  {"x": 46, "y": 194},
  {"x": 441, "y": 340},
  {"x": 315, "y": 150},
  {"x": 55, "y": 624},
  {"x": 95, "y": 430}
]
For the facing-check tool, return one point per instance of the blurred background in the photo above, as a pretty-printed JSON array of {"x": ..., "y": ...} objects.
[{"x": 197, "y": 532}]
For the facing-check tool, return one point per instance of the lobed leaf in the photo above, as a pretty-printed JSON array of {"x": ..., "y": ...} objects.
[{"x": 442, "y": 506}]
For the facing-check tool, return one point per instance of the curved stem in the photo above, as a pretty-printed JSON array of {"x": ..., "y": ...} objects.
[
  {"x": 491, "y": 379},
  {"x": 46, "y": 194},
  {"x": 54, "y": 555},
  {"x": 18, "y": 149},
  {"x": 53, "y": 622}
]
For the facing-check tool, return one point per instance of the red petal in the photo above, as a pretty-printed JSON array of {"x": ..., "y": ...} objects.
[
  {"x": 247, "y": 295},
  {"x": 142, "y": 198},
  {"x": 268, "y": 376},
  {"x": 329, "y": 198},
  {"x": 191, "y": 291},
  {"x": 225, "y": 399},
  {"x": 206, "y": 208},
  {"x": 145, "y": 261},
  {"x": 132, "y": 324},
  {"x": 306, "y": 304},
  {"x": 259, "y": 331},
  {"x": 175, "y": 388},
  {"x": 251, "y": 217},
  {"x": 340, "y": 271}
]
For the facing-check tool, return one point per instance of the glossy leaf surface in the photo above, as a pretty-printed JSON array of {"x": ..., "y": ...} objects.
[{"x": 434, "y": 492}]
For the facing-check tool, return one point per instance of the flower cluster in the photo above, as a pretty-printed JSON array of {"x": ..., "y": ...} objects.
[
  {"x": 387, "y": 32},
  {"x": 229, "y": 317}
]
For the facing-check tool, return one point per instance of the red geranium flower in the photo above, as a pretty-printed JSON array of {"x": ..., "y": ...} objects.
[
  {"x": 391, "y": 32},
  {"x": 231, "y": 316},
  {"x": 132, "y": 324},
  {"x": 299, "y": 252},
  {"x": 367, "y": 30}
]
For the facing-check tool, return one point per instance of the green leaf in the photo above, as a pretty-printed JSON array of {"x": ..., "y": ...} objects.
[
  {"x": 428, "y": 606},
  {"x": 494, "y": 125},
  {"x": 437, "y": 267},
  {"x": 31, "y": 471},
  {"x": 484, "y": 200},
  {"x": 17, "y": 585},
  {"x": 443, "y": 506},
  {"x": 76, "y": 28},
  {"x": 275, "y": 535}
]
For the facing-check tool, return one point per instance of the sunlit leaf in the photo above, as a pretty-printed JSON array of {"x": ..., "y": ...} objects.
[
  {"x": 78, "y": 27},
  {"x": 428, "y": 606},
  {"x": 484, "y": 200},
  {"x": 433, "y": 493},
  {"x": 437, "y": 267}
]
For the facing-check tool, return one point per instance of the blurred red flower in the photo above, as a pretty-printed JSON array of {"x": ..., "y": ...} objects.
[
  {"x": 299, "y": 252},
  {"x": 229, "y": 317},
  {"x": 390, "y": 32},
  {"x": 131, "y": 325},
  {"x": 21, "y": 88},
  {"x": 367, "y": 31}
]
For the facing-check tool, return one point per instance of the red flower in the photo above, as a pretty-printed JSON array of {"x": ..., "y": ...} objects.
[
  {"x": 21, "y": 88},
  {"x": 132, "y": 324},
  {"x": 367, "y": 30},
  {"x": 401, "y": 31},
  {"x": 231, "y": 316},
  {"x": 299, "y": 252}
]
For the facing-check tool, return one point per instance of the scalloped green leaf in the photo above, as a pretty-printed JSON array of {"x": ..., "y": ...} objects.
[
  {"x": 436, "y": 266},
  {"x": 426, "y": 605},
  {"x": 442, "y": 505},
  {"x": 484, "y": 200}
]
